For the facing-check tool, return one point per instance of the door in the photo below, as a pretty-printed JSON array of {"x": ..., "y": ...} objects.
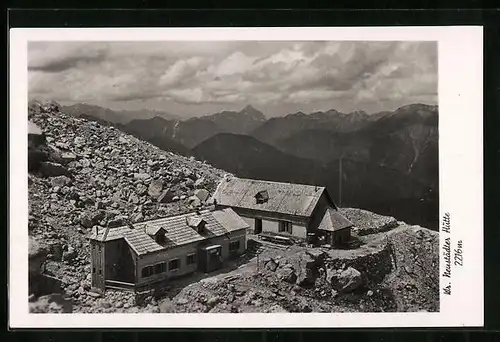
[
  {"x": 214, "y": 259},
  {"x": 258, "y": 226},
  {"x": 210, "y": 258}
]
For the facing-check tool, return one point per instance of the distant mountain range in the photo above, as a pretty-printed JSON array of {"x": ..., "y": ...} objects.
[
  {"x": 112, "y": 116},
  {"x": 389, "y": 159}
]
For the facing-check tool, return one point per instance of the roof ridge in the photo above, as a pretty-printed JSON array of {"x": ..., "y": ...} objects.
[{"x": 276, "y": 182}]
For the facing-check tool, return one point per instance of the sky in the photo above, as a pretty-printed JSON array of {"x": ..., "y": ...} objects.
[{"x": 198, "y": 78}]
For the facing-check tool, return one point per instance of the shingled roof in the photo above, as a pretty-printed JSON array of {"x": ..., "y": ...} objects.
[
  {"x": 333, "y": 220},
  {"x": 177, "y": 231},
  {"x": 284, "y": 198}
]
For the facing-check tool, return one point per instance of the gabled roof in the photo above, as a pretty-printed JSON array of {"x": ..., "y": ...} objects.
[
  {"x": 153, "y": 229},
  {"x": 333, "y": 220},
  {"x": 194, "y": 221},
  {"x": 284, "y": 198},
  {"x": 177, "y": 231}
]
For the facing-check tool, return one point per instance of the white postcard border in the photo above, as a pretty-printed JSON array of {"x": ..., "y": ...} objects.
[{"x": 460, "y": 50}]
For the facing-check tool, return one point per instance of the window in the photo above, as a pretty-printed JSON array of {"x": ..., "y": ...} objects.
[
  {"x": 191, "y": 259},
  {"x": 261, "y": 197},
  {"x": 160, "y": 268},
  {"x": 147, "y": 271},
  {"x": 285, "y": 227},
  {"x": 93, "y": 269},
  {"x": 160, "y": 238},
  {"x": 234, "y": 246},
  {"x": 174, "y": 264}
]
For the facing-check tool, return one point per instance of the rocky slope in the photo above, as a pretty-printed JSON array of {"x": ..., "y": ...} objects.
[{"x": 84, "y": 174}]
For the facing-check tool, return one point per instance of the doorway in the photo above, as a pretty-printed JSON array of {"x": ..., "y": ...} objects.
[{"x": 258, "y": 226}]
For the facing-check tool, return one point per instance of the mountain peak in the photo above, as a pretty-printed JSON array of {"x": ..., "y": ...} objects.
[{"x": 250, "y": 111}]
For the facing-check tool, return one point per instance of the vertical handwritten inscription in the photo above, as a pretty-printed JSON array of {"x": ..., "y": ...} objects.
[
  {"x": 450, "y": 255},
  {"x": 446, "y": 229}
]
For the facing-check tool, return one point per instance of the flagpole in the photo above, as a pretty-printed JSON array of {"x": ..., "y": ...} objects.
[{"x": 340, "y": 180}]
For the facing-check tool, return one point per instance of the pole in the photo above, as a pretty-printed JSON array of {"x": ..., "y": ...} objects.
[{"x": 340, "y": 181}]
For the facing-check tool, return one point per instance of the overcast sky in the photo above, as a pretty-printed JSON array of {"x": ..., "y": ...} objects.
[{"x": 197, "y": 78}]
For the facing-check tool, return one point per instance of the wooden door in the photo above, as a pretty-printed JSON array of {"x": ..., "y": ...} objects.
[{"x": 258, "y": 226}]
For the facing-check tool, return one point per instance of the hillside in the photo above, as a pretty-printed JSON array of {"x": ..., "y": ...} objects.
[{"x": 247, "y": 157}]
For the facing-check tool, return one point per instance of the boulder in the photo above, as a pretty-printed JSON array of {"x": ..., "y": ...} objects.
[
  {"x": 67, "y": 157},
  {"x": 306, "y": 270},
  {"x": 155, "y": 188},
  {"x": 271, "y": 265},
  {"x": 199, "y": 182},
  {"x": 86, "y": 220},
  {"x": 141, "y": 189},
  {"x": 202, "y": 194},
  {"x": 194, "y": 201},
  {"x": 141, "y": 176},
  {"x": 49, "y": 169},
  {"x": 345, "y": 281},
  {"x": 117, "y": 221},
  {"x": 60, "y": 181},
  {"x": 287, "y": 274},
  {"x": 53, "y": 303}
]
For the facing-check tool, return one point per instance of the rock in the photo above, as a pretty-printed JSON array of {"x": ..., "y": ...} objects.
[
  {"x": 86, "y": 220},
  {"x": 117, "y": 221},
  {"x": 155, "y": 188},
  {"x": 139, "y": 217},
  {"x": 166, "y": 197},
  {"x": 194, "y": 201},
  {"x": 133, "y": 198},
  {"x": 272, "y": 265},
  {"x": 118, "y": 305},
  {"x": 67, "y": 157},
  {"x": 212, "y": 301},
  {"x": 182, "y": 301},
  {"x": 70, "y": 254},
  {"x": 50, "y": 169},
  {"x": 189, "y": 183},
  {"x": 53, "y": 303},
  {"x": 306, "y": 270},
  {"x": 202, "y": 194},
  {"x": 287, "y": 274},
  {"x": 346, "y": 281},
  {"x": 141, "y": 189},
  {"x": 79, "y": 141},
  {"x": 182, "y": 197},
  {"x": 141, "y": 176},
  {"x": 199, "y": 183}
]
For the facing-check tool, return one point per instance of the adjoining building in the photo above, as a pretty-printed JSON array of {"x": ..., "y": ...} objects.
[
  {"x": 153, "y": 252},
  {"x": 285, "y": 209}
]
